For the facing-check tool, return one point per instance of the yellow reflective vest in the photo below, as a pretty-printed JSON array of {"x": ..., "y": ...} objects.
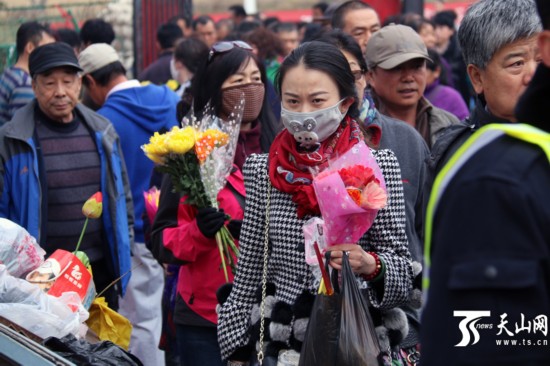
[{"x": 479, "y": 139}]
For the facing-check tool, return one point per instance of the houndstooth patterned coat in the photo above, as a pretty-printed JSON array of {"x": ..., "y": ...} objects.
[{"x": 287, "y": 268}]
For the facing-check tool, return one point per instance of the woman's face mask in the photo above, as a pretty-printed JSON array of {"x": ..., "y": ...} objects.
[
  {"x": 311, "y": 128},
  {"x": 253, "y": 95},
  {"x": 173, "y": 71},
  {"x": 181, "y": 75}
]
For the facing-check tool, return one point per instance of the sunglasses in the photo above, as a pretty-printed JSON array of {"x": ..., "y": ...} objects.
[{"x": 222, "y": 47}]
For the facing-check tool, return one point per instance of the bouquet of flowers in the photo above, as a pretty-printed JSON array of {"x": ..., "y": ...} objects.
[
  {"x": 350, "y": 192},
  {"x": 198, "y": 157}
]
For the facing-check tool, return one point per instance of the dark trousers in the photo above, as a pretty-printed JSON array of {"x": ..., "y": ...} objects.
[{"x": 198, "y": 346}]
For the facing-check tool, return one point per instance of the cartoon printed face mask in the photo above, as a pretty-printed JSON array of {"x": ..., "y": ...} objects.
[{"x": 311, "y": 128}]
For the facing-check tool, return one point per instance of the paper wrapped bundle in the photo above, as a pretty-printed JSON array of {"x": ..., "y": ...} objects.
[{"x": 64, "y": 272}]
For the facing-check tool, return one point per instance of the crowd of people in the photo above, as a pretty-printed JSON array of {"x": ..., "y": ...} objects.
[{"x": 441, "y": 105}]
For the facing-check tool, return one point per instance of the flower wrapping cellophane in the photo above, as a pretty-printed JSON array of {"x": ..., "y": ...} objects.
[
  {"x": 343, "y": 220},
  {"x": 218, "y": 161}
]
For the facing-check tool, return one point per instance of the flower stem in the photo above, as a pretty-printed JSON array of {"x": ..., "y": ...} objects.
[
  {"x": 231, "y": 242},
  {"x": 81, "y": 235},
  {"x": 117, "y": 279},
  {"x": 220, "y": 248}
]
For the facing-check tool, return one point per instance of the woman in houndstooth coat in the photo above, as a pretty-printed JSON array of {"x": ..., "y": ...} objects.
[{"x": 315, "y": 77}]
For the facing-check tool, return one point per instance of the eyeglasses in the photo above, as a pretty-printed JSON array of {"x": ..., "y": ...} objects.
[
  {"x": 357, "y": 74},
  {"x": 222, "y": 47}
]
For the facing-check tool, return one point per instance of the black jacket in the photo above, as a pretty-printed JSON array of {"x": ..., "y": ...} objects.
[
  {"x": 491, "y": 251},
  {"x": 454, "y": 136}
]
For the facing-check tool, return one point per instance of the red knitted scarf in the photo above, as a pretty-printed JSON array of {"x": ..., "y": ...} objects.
[{"x": 290, "y": 168}]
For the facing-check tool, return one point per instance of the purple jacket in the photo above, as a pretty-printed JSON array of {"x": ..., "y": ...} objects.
[{"x": 447, "y": 98}]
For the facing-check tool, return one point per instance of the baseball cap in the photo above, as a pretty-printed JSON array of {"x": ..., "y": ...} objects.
[
  {"x": 52, "y": 55},
  {"x": 97, "y": 55},
  {"x": 393, "y": 45}
]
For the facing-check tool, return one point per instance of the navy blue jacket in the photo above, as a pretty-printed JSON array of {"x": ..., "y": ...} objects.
[{"x": 491, "y": 251}]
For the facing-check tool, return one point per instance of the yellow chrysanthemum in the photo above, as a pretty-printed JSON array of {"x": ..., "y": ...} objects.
[
  {"x": 172, "y": 84},
  {"x": 156, "y": 145},
  {"x": 207, "y": 141},
  {"x": 180, "y": 140},
  {"x": 155, "y": 158}
]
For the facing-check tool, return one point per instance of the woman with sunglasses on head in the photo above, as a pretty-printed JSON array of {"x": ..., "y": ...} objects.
[
  {"x": 316, "y": 85},
  {"x": 187, "y": 235}
]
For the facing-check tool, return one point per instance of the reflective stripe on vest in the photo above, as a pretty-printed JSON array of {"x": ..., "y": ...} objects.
[{"x": 479, "y": 139}]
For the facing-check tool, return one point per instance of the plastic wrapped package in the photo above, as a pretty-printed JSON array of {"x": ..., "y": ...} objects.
[
  {"x": 19, "y": 251},
  {"x": 340, "y": 330},
  {"x": 30, "y": 307}
]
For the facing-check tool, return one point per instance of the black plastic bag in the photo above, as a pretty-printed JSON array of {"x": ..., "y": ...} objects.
[
  {"x": 340, "y": 330},
  {"x": 84, "y": 353}
]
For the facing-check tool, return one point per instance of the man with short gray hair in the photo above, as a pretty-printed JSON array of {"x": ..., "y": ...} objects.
[
  {"x": 488, "y": 250},
  {"x": 499, "y": 44}
]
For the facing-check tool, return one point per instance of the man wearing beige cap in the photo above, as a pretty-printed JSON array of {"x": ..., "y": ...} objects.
[
  {"x": 136, "y": 112},
  {"x": 396, "y": 59}
]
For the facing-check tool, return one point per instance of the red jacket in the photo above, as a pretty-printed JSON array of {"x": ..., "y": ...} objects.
[{"x": 202, "y": 274}]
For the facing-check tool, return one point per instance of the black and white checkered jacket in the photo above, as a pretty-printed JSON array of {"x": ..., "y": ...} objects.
[{"x": 287, "y": 268}]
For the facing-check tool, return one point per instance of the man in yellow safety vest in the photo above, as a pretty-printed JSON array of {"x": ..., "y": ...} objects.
[{"x": 487, "y": 253}]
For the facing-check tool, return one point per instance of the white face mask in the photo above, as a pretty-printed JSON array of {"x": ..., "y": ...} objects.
[{"x": 311, "y": 128}]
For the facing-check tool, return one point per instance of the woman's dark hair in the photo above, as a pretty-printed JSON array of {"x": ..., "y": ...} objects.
[
  {"x": 207, "y": 86},
  {"x": 436, "y": 60},
  {"x": 191, "y": 52},
  {"x": 326, "y": 58},
  {"x": 344, "y": 42}
]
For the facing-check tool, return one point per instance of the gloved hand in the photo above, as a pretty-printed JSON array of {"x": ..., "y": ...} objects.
[
  {"x": 234, "y": 227},
  {"x": 210, "y": 221}
]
